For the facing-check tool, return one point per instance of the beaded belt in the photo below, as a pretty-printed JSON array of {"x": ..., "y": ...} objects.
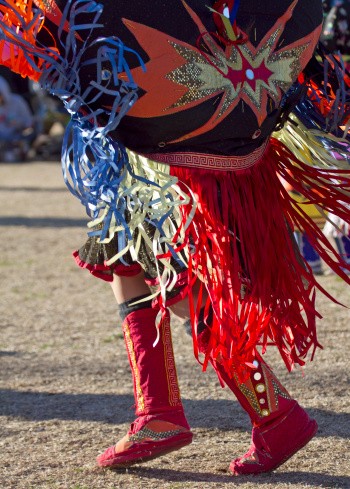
[{"x": 209, "y": 162}]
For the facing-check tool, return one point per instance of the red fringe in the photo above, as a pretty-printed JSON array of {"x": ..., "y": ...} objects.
[
  {"x": 106, "y": 272},
  {"x": 261, "y": 290}
]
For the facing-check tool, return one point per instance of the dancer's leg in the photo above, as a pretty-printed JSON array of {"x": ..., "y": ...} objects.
[
  {"x": 281, "y": 426},
  {"x": 125, "y": 289},
  {"x": 161, "y": 425}
]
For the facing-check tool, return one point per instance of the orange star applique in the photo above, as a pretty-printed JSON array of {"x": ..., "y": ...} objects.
[{"x": 180, "y": 76}]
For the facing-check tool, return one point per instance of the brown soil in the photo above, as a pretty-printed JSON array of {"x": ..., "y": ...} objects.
[{"x": 66, "y": 391}]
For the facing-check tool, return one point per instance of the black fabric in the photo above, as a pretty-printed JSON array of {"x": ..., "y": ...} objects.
[
  {"x": 234, "y": 134},
  {"x": 128, "y": 306},
  {"x": 201, "y": 325},
  {"x": 336, "y": 31}
]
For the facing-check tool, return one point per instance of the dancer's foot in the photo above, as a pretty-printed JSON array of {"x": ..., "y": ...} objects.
[
  {"x": 274, "y": 444},
  {"x": 154, "y": 439}
]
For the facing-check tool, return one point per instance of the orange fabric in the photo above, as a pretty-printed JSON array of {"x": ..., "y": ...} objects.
[{"x": 20, "y": 13}]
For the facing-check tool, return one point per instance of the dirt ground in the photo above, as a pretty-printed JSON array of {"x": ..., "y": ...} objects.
[{"x": 66, "y": 391}]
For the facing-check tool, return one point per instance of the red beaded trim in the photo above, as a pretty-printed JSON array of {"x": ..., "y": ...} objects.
[{"x": 210, "y": 162}]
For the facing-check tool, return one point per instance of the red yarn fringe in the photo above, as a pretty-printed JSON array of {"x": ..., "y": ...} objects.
[{"x": 242, "y": 247}]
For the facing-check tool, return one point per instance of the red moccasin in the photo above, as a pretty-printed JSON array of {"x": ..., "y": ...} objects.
[
  {"x": 272, "y": 445},
  {"x": 156, "y": 438}
]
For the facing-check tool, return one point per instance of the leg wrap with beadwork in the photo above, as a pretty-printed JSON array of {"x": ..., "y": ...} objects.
[
  {"x": 161, "y": 425},
  {"x": 152, "y": 363},
  {"x": 280, "y": 426}
]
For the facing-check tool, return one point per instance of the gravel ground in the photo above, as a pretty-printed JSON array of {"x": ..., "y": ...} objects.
[{"x": 66, "y": 391}]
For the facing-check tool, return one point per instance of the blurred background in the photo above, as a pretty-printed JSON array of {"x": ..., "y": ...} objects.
[{"x": 32, "y": 123}]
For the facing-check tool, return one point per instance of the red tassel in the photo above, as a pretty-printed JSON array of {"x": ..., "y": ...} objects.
[{"x": 260, "y": 289}]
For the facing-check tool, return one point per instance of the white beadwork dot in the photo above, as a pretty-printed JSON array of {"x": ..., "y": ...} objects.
[
  {"x": 257, "y": 376},
  {"x": 262, "y": 401},
  {"x": 250, "y": 74},
  {"x": 260, "y": 388},
  {"x": 106, "y": 74},
  {"x": 256, "y": 134},
  {"x": 226, "y": 12}
]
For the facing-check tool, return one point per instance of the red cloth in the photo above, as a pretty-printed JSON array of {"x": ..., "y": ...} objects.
[{"x": 151, "y": 359}]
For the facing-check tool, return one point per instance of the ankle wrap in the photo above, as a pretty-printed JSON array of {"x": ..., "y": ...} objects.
[{"x": 128, "y": 306}]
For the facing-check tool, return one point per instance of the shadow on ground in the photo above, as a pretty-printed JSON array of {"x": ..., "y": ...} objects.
[
  {"x": 118, "y": 409},
  {"x": 312, "y": 479},
  {"x": 42, "y": 222},
  {"x": 33, "y": 189}
]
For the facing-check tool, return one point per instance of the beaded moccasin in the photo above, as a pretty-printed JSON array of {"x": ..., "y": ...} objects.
[
  {"x": 274, "y": 443},
  {"x": 156, "y": 438}
]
